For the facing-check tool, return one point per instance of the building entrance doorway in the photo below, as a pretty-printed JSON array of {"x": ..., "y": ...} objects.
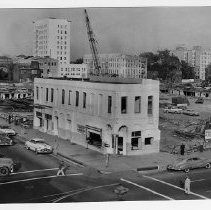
[{"x": 120, "y": 145}]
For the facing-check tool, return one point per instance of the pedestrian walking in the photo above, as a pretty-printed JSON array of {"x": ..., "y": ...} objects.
[
  {"x": 182, "y": 149},
  {"x": 187, "y": 185},
  {"x": 61, "y": 169}
]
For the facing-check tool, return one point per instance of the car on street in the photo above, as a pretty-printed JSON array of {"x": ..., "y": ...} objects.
[
  {"x": 38, "y": 145},
  {"x": 190, "y": 112},
  {"x": 199, "y": 101},
  {"x": 190, "y": 163},
  {"x": 5, "y": 140},
  {"x": 6, "y": 166},
  {"x": 173, "y": 110},
  {"x": 7, "y": 130}
]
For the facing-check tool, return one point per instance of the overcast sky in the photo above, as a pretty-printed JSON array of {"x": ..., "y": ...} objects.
[{"x": 125, "y": 30}]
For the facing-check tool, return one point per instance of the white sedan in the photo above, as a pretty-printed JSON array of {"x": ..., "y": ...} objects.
[
  {"x": 173, "y": 110},
  {"x": 7, "y": 130},
  {"x": 38, "y": 145}
]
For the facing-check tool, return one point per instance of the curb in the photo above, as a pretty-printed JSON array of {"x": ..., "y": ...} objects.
[
  {"x": 71, "y": 159},
  {"x": 148, "y": 169}
]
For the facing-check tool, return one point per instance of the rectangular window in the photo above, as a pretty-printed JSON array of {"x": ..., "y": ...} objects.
[
  {"x": 37, "y": 91},
  {"x": 84, "y": 100},
  {"x": 150, "y": 105},
  {"x": 137, "y": 106},
  {"x": 63, "y": 96},
  {"x": 124, "y": 105},
  {"x": 100, "y": 104},
  {"x": 52, "y": 93},
  {"x": 77, "y": 98},
  {"x": 46, "y": 94},
  {"x": 109, "y": 103},
  {"x": 136, "y": 140},
  {"x": 148, "y": 141},
  {"x": 69, "y": 98}
]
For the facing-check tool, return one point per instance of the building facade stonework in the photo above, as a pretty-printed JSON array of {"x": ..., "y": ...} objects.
[{"x": 114, "y": 118}]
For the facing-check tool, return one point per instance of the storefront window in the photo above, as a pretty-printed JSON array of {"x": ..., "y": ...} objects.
[
  {"x": 136, "y": 140},
  {"x": 148, "y": 141}
]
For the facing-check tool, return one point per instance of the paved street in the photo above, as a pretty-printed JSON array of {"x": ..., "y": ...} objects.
[{"x": 36, "y": 181}]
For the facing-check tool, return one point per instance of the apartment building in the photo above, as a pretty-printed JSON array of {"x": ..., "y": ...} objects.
[
  {"x": 52, "y": 38},
  {"x": 197, "y": 57},
  {"x": 125, "y": 66},
  {"x": 107, "y": 116},
  {"x": 74, "y": 71}
]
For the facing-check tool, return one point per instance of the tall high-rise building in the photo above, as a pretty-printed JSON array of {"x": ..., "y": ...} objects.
[{"x": 52, "y": 38}]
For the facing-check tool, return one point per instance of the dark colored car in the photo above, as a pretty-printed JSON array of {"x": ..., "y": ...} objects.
[
  {"x": 5, "y": 140},
  {"x": 199, "y": 101},
  {"x": 189, "y": 164}
]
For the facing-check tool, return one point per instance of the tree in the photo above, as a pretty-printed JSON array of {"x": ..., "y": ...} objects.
[
  {"x": 78, "y": 61},
  {"x": 187, "y": 71},
  {"x": 163, "y": 65}
]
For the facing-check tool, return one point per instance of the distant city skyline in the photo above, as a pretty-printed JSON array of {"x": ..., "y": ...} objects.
[{"x": 124, "y": 30}]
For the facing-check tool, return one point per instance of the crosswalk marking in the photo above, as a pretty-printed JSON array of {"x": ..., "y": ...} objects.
[
  {"x": 147, "y": 189},
  {"x": 152, "y": 178},
  {"x": 24, "y": 172},
  {"x": 37, "y": 178}
]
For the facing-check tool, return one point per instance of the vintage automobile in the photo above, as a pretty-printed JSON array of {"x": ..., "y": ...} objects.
[
  {"x": 189, "y": 164},
  {"x": 7, "y": 130},
  {"x": 173, "y": 110},
  {"x": 5, "y": 140},
  {"x": 38, "y": 145},
  {"x": 199, "y": 101},
  {"x": 190, "y": 112},
  {"x": 6, "y": 166}
]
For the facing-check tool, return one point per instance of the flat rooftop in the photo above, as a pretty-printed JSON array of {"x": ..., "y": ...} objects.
[{"x": 111, "y": 80}]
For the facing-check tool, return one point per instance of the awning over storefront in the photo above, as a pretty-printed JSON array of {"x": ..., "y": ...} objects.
[{"x": 94, "y": 130}]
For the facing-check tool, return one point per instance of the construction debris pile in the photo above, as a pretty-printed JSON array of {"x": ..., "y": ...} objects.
[
  {"x": 187, "y": 129},
  {"x": 24, "y": 104}
]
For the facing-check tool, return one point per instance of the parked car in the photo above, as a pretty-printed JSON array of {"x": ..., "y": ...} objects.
[
  {"x": 199, "y": 101},
  {"x": 189, "y": 164},
  {"x": 190, "y": 112},
  {"x": 6, "y": 166},
  {"x": 7, "y": 130},
  {"x": 173, "y": 110},
  {"x": 5, "y": 140},
  {"x": 38, "y": 145}
]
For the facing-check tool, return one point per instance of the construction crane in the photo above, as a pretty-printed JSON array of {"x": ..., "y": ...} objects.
[{"x": 93, "y": 46}]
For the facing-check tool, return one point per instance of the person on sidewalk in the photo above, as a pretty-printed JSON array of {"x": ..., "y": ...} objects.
[
  {"x": 61, "y": 169},
  {"x": 187, "y": 185},
  {"x": 182, "y": 149}
]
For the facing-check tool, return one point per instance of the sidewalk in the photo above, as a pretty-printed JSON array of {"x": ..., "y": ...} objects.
[{"x": 96, "y": 160}]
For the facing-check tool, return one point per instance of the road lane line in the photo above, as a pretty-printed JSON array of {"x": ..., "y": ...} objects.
[
  {"x": 198, "y": 180},
  {"x": 152, "y": 178},
  {"x": 147, "y": 189},
  {"x": 37, "y": 178},
  {"x": 24, "y": 172},
  {"x": 81, "y": 191}
]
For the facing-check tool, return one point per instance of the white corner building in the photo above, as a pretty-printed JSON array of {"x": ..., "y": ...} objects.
[
  {"x": 52, "y": 38},
  {"x": 115, "y": 116}
]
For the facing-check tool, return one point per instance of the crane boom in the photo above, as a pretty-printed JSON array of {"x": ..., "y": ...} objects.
[{"x": 92, "y": 43}]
